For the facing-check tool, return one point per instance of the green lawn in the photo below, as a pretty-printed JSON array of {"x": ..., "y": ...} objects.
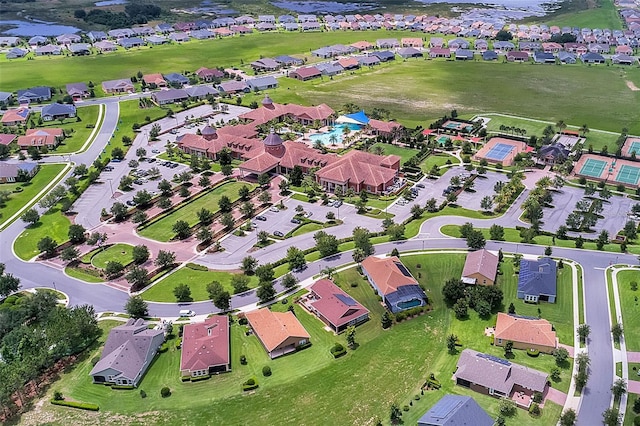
[
  {"x": 601, "y": 14},
  {"x": 122, "y": 253},
  {"x": 162, "y": 291},
  {"x": 630, "y": 310},
  {"x": 629, "y": 414},
  {"x": 306, "y": 228},
  {"x": 18, "y": 200},
  {"x": 311, "y": 379},
  {"x": 389, "y": 149},
  {"x": 439, "y": 160},
  {"x": 53, "y": 224},
  {"x": 82, "y": 275},
  {"x": 78, "y": 130},
  {"x": 634, "y": 369},
  {"x": 160, "y": 230}
]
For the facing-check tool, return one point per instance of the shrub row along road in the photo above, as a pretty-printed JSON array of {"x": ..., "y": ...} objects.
[{"x": 597, "y": 395}]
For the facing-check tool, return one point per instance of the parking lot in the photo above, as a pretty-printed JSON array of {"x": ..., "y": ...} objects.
[{"x": 615, "y": 212}]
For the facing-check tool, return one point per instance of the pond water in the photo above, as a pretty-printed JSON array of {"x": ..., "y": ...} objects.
[
  {"x": 207, "y": 6},
  {"x": 323, "y": 6},
  {"x": 338, "y": 131},
  {"x": 34, "y": 28},
  {"x": 539, "y": 5},
  {"x": 110, "y": 2}
]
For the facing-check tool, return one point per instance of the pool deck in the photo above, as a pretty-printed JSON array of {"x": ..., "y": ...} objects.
[
  {"x": 606, "y": 175},
  {"x": 354, "y": 134}
]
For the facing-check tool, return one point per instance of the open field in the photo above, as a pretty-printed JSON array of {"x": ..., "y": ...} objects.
[
  {"x": 389, "y": 149},
  {"x": 439, "y": 159},
  {"x": 311, "y": 379},
  {"x": 162, "y": 291},
  {"x": 17, "y": 200},
  {"x": 53, "y": 224},
  {"x": 630, "y": 311},
  {"x": 161, "y": 229},
  {"x": 122, "y": 253},
  {"x": 600, "y": 14}
]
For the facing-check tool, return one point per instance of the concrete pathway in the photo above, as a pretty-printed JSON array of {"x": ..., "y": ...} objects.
[
  {"x": 554, "y": 395},
  {"x": 633, "y": 356},
  {"x": 620, "y": 355},
  {"x": 633, "y": 387},
  {"x": 569, "y": 349}
]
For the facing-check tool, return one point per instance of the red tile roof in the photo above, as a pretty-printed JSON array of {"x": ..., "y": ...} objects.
[
  {"x": 529, "y": 331},
  {"x": 206, "y": 72},
  {"x": 274, "y": 110},
  {"x": 6, "y": 139},
  {"x": 334, "y": 304},
  {"x": 205, "y": 344},
  {"x": 358, "y": 167},
  {"x": 16, "y": 115},
  {"x": 362, "y": 45},
  {"x": 383, "y": 126},
  {"x": 273, "y": 328},
  {"x": 156, "y": 79},
  {"x": 386, "y": 273}
]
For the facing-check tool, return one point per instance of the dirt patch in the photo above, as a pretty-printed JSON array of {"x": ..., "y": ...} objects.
[{"x": 632, "y": 86}]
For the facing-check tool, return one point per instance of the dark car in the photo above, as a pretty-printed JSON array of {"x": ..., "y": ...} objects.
[
  {"x": 420, "y": 185},
  {"x": 295, "y": 220},
  {"x": 131, "y": 203},
  {"x": 263, "y": 218},
  {"x": 337, "y": 203},
  {"x": 138, "y": 182},
  {"x": 278, "y": 234}
]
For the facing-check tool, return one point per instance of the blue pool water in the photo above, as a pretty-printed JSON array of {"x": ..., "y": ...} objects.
[
  {"x": 409, "y": 304},
  {"x": 325, "y": 138}
]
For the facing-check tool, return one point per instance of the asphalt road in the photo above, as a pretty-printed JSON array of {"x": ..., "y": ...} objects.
[{"x": 597, "y": 396}]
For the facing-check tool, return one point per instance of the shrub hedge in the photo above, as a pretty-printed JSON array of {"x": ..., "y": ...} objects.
[
  {"x": 197, "y": 379},
  {"x": 250, "y": 384},
  {"x": 73, "y": 404},
  {"x": 122, "y": 387},
  {"x": 338, "y": 350}
]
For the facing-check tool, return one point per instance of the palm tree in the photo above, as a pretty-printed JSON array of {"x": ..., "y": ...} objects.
[
  {"x": 378, "y": 150},
  {"x": 333, "y": 139},
  {"x": 584, "y": 130},
  {"x": 561, "y": 125}
]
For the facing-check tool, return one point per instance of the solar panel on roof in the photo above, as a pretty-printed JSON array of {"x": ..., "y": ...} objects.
[
  {"x": 403, "y": 269},
  {"x": 346, "y": 300},
  {"x": 494, "y": 359}
]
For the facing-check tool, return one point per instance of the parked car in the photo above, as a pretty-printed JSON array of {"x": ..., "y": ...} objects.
[
  {"x": 308, "y": 214},
  {"x": 337, "y": 203},
  {"x": 274, "y": 209},
  {"x": 420, "y": 185},
  {"x": 331, "y": 203},
  {"x": 131, "y": 203},
  {"x": 187, "y": 313},
  {"x": 155, "y": 151},
  {"x": 278, "y": 234},
  {"x": 138, "y": 182},
  {"x": 151, "y": 160},
  {"x": 260, "y": 217},
  {"x": 116, "y": 160},
  {"x": 295, "y": 220}
]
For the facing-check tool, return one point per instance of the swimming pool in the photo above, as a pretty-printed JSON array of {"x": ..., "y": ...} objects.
[{"x": 338, "y": 131}]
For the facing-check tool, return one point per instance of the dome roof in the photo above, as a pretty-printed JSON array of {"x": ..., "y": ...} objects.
[
  {"x": 273, "y": 139},
  {"x": 208, "y": 131},
  {"x": 267, "y": 100}
]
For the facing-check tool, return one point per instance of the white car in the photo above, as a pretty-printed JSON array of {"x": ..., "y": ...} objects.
[
  {"x": 274, "y": 209},
  {"x": 187, "y": 313}
]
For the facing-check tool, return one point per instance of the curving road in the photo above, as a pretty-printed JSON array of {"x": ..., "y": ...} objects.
[{"x": 597, "y": 395}]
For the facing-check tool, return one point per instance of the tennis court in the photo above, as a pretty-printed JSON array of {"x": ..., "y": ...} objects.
[
  {"x": 499, "y": 152},
  {"x": 457, "y": 125},
  {"x": 628, "y": 174},
  {"x": 635, "y": 147},
  {"x": 593, "y": 168}
]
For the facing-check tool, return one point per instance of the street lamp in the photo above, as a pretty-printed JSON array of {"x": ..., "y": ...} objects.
[
  {"x": 54, "y": 285},
  {"x": 111, "y": 187}
]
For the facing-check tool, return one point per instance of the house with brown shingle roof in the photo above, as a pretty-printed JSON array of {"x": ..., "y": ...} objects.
[
  {"x": 156, "y": 80},
  {"x": 334, "y": 307},
  {"x": 525, "y": 333},
  {"x": 500, "y": 378},
  {"x": 279, "y": 332},
  {"x": 128, "y": 352},
  {"x": 480, "y": 267},
  {"x": 209, "y": 74},
  {"x": 206, "y": 347},
  {"x": 305, "y": 73},
  {"x": 394, "y": 283}
]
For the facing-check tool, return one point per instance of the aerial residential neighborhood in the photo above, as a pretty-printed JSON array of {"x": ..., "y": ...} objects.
[{"x": 320, "y": 213}]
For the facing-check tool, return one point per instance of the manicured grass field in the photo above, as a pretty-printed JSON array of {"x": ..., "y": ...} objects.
[
  {"x": 162, "y": 291},
  {"x": 439, "y": 160},
  {"x": 122, "y": 253},
  {"x": 78, "y": 130},
  {"x": 603, "y": 15},
  {"x": 404, "y": 153},
  {"x": 311, "y": 379},
  {"x": 161, "y": 229},
  {"x": 307, "y": 227},
  {"x": 17, "y": 200},
  {"x": 630, "y": 310},
  {"x": 52, "y": 224}
]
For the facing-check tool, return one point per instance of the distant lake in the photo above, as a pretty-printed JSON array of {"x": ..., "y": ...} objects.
[
  {"x": 35, "y": 27},
  {"x": 323, "y": 6},
  {"x": 110, "y": 2},
  {"x": 509, "y": 4}
]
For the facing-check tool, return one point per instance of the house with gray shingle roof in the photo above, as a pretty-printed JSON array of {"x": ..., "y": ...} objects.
[
  {"x": 38, "y": 40},
  {"x": 97, "y": 35},
  {"x": 537, "y": 280},
  {"x": 34, "y": 94},
  {"x": 9, "y": 41},
  {"x": 480, "y": 267},
  {"x": 130, "y": 42},
  {"x": 175, "y": 79},
  {"x": 80, "y": 49},
  {"x": 263, "y": 83},
  {"x": 78, "y": 90},
  {"x": 5, "y": 98},
  {"x": 57, "y": 111},
  {"x": 16, "y": 52},
  {"x": 128, "y": 352},
  {"x": 456, "y": 410},
  {"x": 201, "y": 91},
  {"x": 49, "y": 49},
  {"x": 11, "y": 170},
  {"x": 170, "y": 96}
]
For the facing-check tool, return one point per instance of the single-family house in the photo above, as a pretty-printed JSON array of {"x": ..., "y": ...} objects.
[
  {"x": 362, "y": 45},
  {"x": 209, "y": 74},
  {"x": 503, "y": 46},
  {"x": 349, "y": 63},
  {"x": 79, "y": 49},
  {"x": 38, "y": 41},
  {"x": 409, "y": 52},
  {"x": 17, "y": 171},
  {"x": 120, "y": 33},
  {"x": 68, "y": 38},
  {"x": 480, "y": 44},
  {"x": 16, "y": 116},
  {"x": 263, "y": 83},
  {"x": 412, "y": 42},
  {"x": 233, "y": 86},
  {"x": 480, "y": 267},
  {"x": 10, "y": 41},
  {"x": 96, "y": 36},
  {"x": 265, "y": 64},
  {"x": 439, "y": 52},
  {"x": 34, "y": 94},
  {"x": 291, "y": 26},
  {"x": 387, "y": 43},
  {"x": 456, "y": 410},
  {"x": 206, "y": 347},
  {"x": 279, "y": 332},
  {"x": 384, "y": 55},
  {"x": 458, "y": 43},
  {"x": 78, "y": 91},
  {"x": 287, "y": 61},
  {"x": 16, "y": 52},
  {"x": 567, "y": 57},
  {"x": 329, "y": 69},
  {"x": 164, "y": 28},
  {"x": 436, "y": 42},
  {"x": 310, "y": 26},
  {"x": 305, "y": 73},
  {"x": 118, "y": 86},
  {"x": 58, "y": 111},
  {"x": 394, "y": 283},
  {"x": 592, "y": 58},
  {"x": 334, "y": 307},
  {"x": 156, "y": 40},
  {"x": 169, "y": 96},
  {"x": 201, "y": 91},
  {"x": 267, "y": 18},
  {"x": 176, "y": 79},
  {"x": 622, "y": 59},
  {"x": 525, "y": 333},
  {"x": 500, "y": 378},
  {"x": 517, "y": 56},
  {"x": 105, "y": 46},
  {"x": 49, "y": 49},
  {"x": 130, "y": 42},
  {"x": 537, "y": 280},
  {"x": 5, "y": 98},
  {"x": 154, "y": 80},
  {"x": 128, "y": 352},
  {"x": 7, "y": 139},
  {"x": 40, "y": 138},
  {"x": 544, "y": 57},
  {"x": 464, "y": 55},
  {"x": 179, "y": 37},
  {"x": 489, "y": 55},
  {"x": 265, "y": 26},
  {"x": 368, "y": 61},
  {"x": 201, "y": 34}
]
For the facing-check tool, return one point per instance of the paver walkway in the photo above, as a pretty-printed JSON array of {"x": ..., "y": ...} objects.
[
  {"x": 556, "y": 396},
  {"x": 633, "y": 387},
  {"x": 568, "y": 348},
  {"x": 633, "y": 356}
]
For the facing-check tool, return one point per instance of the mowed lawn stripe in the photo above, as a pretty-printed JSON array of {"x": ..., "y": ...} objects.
[{"x": 161, "y": 230}]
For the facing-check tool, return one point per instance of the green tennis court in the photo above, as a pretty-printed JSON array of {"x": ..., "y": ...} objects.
[
  {"x": 628, "y": 174},
  {"x": 593, "y": 167},
  {"x": 635, "y": 147}
]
